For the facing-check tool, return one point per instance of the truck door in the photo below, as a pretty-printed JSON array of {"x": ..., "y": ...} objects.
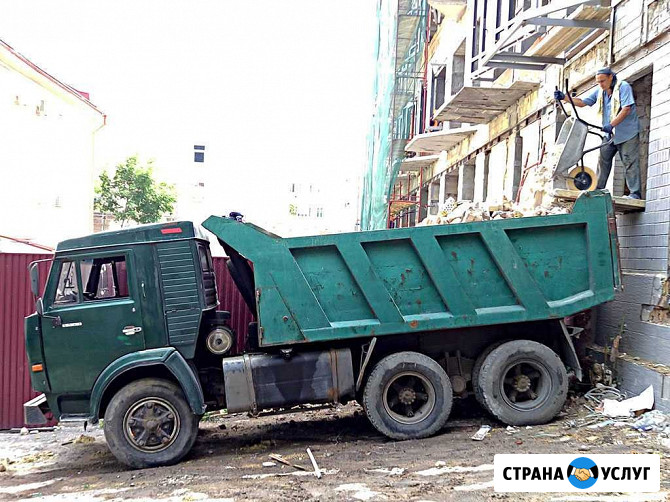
[{"x": 96, "y": 319}]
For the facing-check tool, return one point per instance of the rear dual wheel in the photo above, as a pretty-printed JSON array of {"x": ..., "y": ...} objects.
[
  {"x": 407, "y": 396},
  {"x": 522, "y": 382}
]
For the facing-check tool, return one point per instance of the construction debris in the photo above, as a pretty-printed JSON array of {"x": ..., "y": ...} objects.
[
  {"x": 317, "y": 471},
  {"x": 452, "y": 212},
  {"x": 653, "y": 420},
  {"x": 281, "y": 460},
  {"x": 599, "y": 393},
  {"x": 481, "y": 433},
  {"x": 628, "y": 407}
]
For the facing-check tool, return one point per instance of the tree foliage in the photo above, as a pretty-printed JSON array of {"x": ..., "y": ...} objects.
[{"x": 132, "y": 194}]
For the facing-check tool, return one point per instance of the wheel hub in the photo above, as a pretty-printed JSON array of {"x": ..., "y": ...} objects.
[
  {"x": 151, "y": 425},
  {"x": 407, "y": 396},
  {"x": 583, "y": 180},
  {"x": 522, "y": 383}
]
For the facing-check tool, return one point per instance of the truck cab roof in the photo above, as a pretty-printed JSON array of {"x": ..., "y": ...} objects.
[{"x": 142, "y": 234}]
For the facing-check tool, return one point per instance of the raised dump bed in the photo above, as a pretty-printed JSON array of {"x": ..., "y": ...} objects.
[{"x": 423, "y": 279}]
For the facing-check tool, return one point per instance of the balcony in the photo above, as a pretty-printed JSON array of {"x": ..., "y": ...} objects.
[
  {"x": 480, "y": 105},
  {"x": 415, "y": 164},
  {"x": 436, "y": 142},
  {"x": 544, "y": 33}
]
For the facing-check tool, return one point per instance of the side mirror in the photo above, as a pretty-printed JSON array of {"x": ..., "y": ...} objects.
[
  {"x": 35, "y": 279},
  {"x": 39, "y": 307}
]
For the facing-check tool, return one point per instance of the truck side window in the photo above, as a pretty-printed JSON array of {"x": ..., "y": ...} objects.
[
  {"x": 104, "y": 278},
  {"x": 67, "y": 291}
]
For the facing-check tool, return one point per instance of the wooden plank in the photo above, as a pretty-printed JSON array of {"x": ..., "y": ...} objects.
[{"x": 621, "y": 204}]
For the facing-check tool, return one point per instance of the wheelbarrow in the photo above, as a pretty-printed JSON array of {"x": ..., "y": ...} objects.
[{"x": 571, "y": 140}]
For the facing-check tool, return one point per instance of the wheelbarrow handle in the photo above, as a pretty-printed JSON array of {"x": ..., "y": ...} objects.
[{"x": 574, "y": 108}]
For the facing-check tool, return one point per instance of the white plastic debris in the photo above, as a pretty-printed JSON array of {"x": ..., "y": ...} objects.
[
  {"x": 627, "y": 407},
  {"x": 481, "y": 433},
  {"x": 652, "y": 420}
]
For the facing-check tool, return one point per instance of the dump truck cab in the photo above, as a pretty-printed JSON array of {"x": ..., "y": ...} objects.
[{"x": 119, "y": 301}]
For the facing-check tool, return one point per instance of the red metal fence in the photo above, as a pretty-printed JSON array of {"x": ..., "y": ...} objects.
[{"x": 16, "y": 302}]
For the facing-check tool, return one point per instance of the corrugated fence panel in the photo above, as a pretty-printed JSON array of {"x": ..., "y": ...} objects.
[
  {"x": 231, "y": 300},
  {"x": 16, "y": 302}
]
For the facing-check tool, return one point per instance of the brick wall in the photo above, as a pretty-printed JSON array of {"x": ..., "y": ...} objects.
[{"x": 644, "y": 237}]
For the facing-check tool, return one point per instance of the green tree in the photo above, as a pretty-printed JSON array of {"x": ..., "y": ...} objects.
[{"x": 132, "y": 194}]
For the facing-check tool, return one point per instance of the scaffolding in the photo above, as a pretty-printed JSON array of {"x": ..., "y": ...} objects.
[{"x": 400, "y": 47}]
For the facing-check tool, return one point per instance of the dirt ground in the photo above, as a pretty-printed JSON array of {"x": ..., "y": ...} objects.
[{"x": 358, "y": 463}]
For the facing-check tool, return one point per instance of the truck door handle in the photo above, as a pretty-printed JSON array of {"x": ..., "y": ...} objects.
[{"x": 131, "y": 330}]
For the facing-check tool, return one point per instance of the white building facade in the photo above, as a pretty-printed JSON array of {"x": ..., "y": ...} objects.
[{"x": 48, "y": 134}]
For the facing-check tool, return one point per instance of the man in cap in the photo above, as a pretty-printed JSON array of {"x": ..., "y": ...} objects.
[{"x": 616, "y": 107}]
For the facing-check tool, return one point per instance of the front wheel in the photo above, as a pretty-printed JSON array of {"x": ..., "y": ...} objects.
[
  {"x": 523, "y": 382},
  {"x": 408, "y": 396},
  {"x": 148, "y": 423}
]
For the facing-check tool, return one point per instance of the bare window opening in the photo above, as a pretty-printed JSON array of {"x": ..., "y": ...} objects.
[
  {"x": 439, "y": 88},
  {"x": 104, "y": 278},
  {"x": 466, "y": 180}
]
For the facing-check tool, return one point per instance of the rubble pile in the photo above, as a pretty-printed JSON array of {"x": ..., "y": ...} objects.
[{"x": 451, "y": 212}]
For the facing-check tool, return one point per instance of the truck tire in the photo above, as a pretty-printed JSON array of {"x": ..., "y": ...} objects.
[
  {"x": 149, "y": 423},
  {"x": 407, "y": 396},
  {"x": 476, "y": 369},
  {"x": 523, "y": 383}
]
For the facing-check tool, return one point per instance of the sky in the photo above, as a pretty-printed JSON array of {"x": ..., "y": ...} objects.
[{"x": 280, "y": 89}]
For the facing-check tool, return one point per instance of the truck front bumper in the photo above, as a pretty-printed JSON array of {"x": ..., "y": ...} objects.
[{"x": 34, "y": 411}]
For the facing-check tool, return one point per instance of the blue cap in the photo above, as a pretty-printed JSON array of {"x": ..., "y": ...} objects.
[{"x": 605, "y": 71}]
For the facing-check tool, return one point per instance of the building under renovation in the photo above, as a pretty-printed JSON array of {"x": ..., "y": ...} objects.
[{"x": 465, "y": 109}]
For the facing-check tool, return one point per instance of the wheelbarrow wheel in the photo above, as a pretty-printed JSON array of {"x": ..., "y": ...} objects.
[
  {"x": 408, "y": 396},
  {"x": 582, "y": 179},
  {"x": 523, "y": 383}
]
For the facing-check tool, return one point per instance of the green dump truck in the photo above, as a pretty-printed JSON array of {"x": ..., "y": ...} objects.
[{"x": 402, "y": 321}]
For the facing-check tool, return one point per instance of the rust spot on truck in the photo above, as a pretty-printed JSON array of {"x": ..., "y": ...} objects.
[
  {"x": 454, "y": 255},
  {"x": 413, "y": 324}
]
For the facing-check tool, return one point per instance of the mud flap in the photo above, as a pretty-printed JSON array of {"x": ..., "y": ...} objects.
[{"x": 568, "y": 349}]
